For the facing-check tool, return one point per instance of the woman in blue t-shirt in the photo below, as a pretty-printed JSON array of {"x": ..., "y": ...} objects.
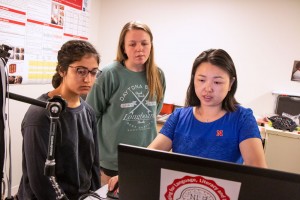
[{"x": 212, "y": 124}]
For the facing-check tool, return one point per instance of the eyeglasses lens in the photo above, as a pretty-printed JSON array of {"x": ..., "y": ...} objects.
[{"x": 83, "y": 72}]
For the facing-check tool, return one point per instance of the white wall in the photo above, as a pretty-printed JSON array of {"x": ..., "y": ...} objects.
[{"x": 261, "y": 36}]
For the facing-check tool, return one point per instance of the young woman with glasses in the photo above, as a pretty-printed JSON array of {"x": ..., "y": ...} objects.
[{"x": 76, "y": 149}]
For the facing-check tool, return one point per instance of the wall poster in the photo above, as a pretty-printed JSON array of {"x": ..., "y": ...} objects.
[{"x": 36, "y": 30}]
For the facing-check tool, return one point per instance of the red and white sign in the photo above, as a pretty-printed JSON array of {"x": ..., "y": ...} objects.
[{"x": 176, "y": 185}]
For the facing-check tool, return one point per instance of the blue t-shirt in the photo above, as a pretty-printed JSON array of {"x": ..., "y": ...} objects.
[{"x": 217, "y": 140}]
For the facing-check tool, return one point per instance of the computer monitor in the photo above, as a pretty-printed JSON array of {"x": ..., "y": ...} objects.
[{"x": 151, "y": 174}]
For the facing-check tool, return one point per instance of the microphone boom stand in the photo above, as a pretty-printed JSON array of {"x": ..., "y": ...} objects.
[{"x": 55, "y": 106}]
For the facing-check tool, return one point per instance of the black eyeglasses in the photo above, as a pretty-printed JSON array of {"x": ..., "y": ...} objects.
[{"x": 83, "y": 71}]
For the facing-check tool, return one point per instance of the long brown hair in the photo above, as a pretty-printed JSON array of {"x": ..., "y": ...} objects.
[{"x": 152, "y": 72}]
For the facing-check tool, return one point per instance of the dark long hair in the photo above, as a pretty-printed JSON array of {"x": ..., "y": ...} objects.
[
  {"x": 221, "y": 59},
  {"x": 72, "y": 51}
]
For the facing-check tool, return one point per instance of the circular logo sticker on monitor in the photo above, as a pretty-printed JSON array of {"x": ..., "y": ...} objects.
[{"x": 196, "y": 187}]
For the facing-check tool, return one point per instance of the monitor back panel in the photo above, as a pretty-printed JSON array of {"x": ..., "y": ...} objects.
[
  {"x": 140, "y": 175},
  {"x": 287, "y": 104}
]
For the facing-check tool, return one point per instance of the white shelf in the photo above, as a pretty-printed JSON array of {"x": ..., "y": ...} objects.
[{"x": 297, "y": 94}]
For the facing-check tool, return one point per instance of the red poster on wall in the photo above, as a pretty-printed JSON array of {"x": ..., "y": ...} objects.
[{"x": 72, "y": 3}]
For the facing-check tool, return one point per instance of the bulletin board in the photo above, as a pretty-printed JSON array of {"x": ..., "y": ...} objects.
[{"x": 35, "y": 30}]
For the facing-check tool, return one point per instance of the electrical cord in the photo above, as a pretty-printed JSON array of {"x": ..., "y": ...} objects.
[
  {"x": 91, "y": 194},
  {"x": 3, "y": 189},
  {"x": 7, "y": 138},
  {"x": 3, "y": 84}
]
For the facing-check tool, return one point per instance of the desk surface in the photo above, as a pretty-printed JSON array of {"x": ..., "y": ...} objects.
[
  {"x": 161, "y": 119},
  {"x": 101, "y": 192}
]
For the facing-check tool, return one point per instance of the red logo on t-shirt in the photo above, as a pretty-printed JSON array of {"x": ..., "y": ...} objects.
[{"x": 219, "y": 133}]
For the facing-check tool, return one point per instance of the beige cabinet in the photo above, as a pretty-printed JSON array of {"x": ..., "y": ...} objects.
[{"x": 282, "y": 150}]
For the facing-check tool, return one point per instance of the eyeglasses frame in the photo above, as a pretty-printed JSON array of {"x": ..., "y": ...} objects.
[{"x": 88, "y": 71}]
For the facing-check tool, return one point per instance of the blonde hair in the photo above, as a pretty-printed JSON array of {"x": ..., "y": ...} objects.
[{"x": 152, "y": 72}]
